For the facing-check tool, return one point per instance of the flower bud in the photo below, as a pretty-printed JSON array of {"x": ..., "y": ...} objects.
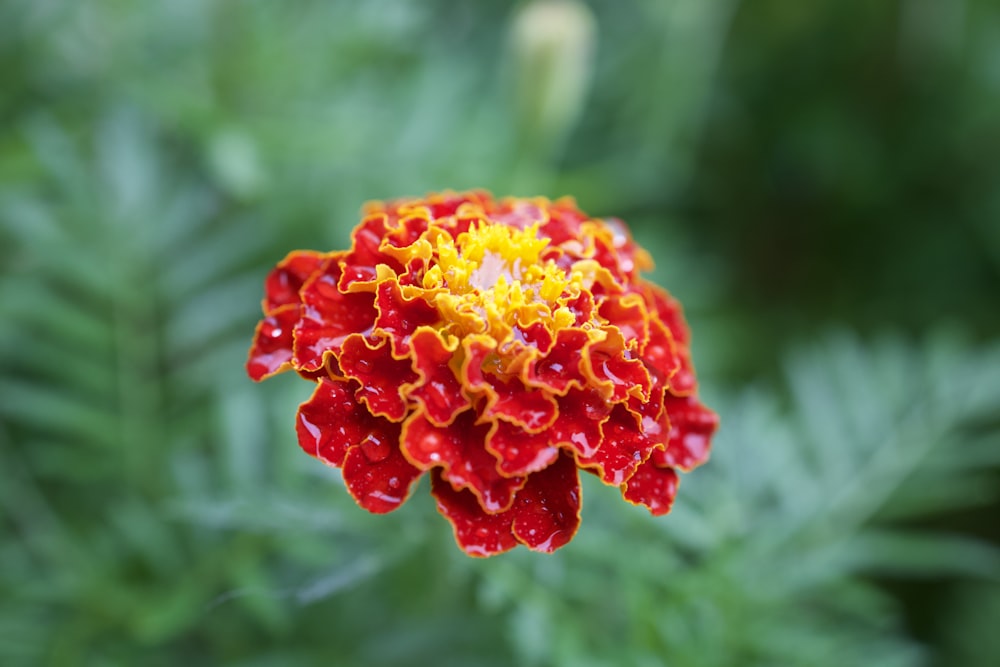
[{"x": 552, "y": 44}]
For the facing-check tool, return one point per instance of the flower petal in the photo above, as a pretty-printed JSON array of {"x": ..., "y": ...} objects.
[
  {"x": 614, "y": 369},
  {"x": 560, "y": 369},
  {"x": 623, "y": 448},
  {"x": 282, "y": 285},
  {"x": 383, "y": 379},
  {"x": 652, "y": 486},
  {"x": 691, "y": 429},
  {"x": 329, "y": 316},
  {"x": 531, "y": 409},
  {"x": 547, "y": 510},
  {"x": 438, "y": 390},
  {"x": 376, "y": 473},
  {"x": 271, "y": 351},
  {"x": 628, "y": 313},
  {"x": 360, "y": 264},
  {"x": 668, "y": 310},
  {"x": 683, "y": 382},
  {"x": 581, "y": 414},
  {"x": 398, "y": 317},
  {"x": 459, "y": 449},
  {"x": 332, "y": 421},
  {"x": 519, "y": 451},
  {"x": 477, "y": 533},
  {"x": 660, "y": 353}
]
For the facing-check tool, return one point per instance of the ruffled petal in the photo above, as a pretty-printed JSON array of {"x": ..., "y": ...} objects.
[
  {"x": 683, "y": 382},
  {"x": 332, "y": 421},
  {"x": 628, "y": 313},
  {"x": 377, "y": 475},
  {"x": 477, "y": 533},
  {"x": 282, "y": 285},
  {"x": 668, "y": 310},
  {"x": 560, "y": 369},
  {"x": 438, "y": 391},
  {"x": 398, "y": 317},
  {"x": 691, "y": 429},
  {"x": 271, "y": 351},
  {"x": 509, "y": 399},
  {"x": 615, "y": 369},
  {"x": 460, "y": 451},
  {"x": 660, "y": 353},
  {"x": 329, "y": 316},
  {"x": 652, "y": 486},
  {"x": 519, "y": 451},
  {"x": 578, "y": 427},
  {"x": 623, "y": 448},
  {"x": 383, "y": 379},
  {"x": 547, "y": 509},
  {"x": 360, "y": 264}
]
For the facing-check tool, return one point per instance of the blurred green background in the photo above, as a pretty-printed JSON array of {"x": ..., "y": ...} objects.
[{"x": 819, "y": 184}]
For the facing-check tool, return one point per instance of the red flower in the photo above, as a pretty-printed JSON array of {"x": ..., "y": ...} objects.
[{"x": 499, "y": 345}]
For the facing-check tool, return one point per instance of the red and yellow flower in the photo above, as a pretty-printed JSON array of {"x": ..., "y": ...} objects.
[{"x": 501, "y": 346}]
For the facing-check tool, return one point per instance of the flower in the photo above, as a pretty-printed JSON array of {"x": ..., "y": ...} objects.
[{"x": 501, "y": 346}]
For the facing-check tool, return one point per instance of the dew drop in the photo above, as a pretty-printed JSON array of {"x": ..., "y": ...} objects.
[{"x": 375, "y": 448}]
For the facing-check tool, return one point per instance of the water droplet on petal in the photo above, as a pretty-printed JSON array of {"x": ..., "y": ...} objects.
[{"x": 375, "y": 448}]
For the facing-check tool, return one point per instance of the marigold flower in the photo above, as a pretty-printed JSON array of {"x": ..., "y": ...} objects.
[{"x": 501, "y": 346}]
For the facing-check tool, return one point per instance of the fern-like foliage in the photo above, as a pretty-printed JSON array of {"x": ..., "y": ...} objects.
[{"x": 121, "y": 322}]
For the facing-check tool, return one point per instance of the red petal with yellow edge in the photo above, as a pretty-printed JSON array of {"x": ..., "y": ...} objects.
[
  {"x": 460, "y": 450},
  {"x": 559, "y": 369},
  {"x": 622, "y": 449},
  {"x": 653, "y": 487},
  {"x": 581, "y": 413},
  {"x": 691, "y": 429},
  {"x": 531, "y": 409},
  {"x": 383, "y": 378},
  {"x": 359, "y": 263},
  {"x": 582, "y": 307},
  {"x": 376, "y": 473},
  {"x": 480, "y": 355},
  {"x": 615, "y": 369},
  {"x": 668, "y": 310},
  {"x": 477, "y": 533},
  {"x": 620, "y": 265},
  {"x": 448, "y": 204},
  {"x": 282, "y": 285},
  {"x": 407, "y": 232},
  {"x": 535, "y": 335},
  {"x": 520, "y": 452},
  {"x": 332, "y": 421},
  {"x": 564, "y": 223},
  {"x": 439, "y": 391},
  {"x": 328, "y": 318},
  {"x": 547, "y": 510},
  {"x": 660, "y": 353},
  {"x": 683, "y": 382},
  {"x": 519, "y": 214},
  {"x": 628, "y": 313},
  {"x": 271, "y": 350},
  {"x": 399, "y": 318}
]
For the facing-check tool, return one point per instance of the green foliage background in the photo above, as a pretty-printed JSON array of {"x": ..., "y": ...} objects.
[{"x": 817, "y": 182}]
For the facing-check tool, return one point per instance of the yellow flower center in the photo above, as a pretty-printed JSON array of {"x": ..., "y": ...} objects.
[{"x": 492, "y": 277}]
